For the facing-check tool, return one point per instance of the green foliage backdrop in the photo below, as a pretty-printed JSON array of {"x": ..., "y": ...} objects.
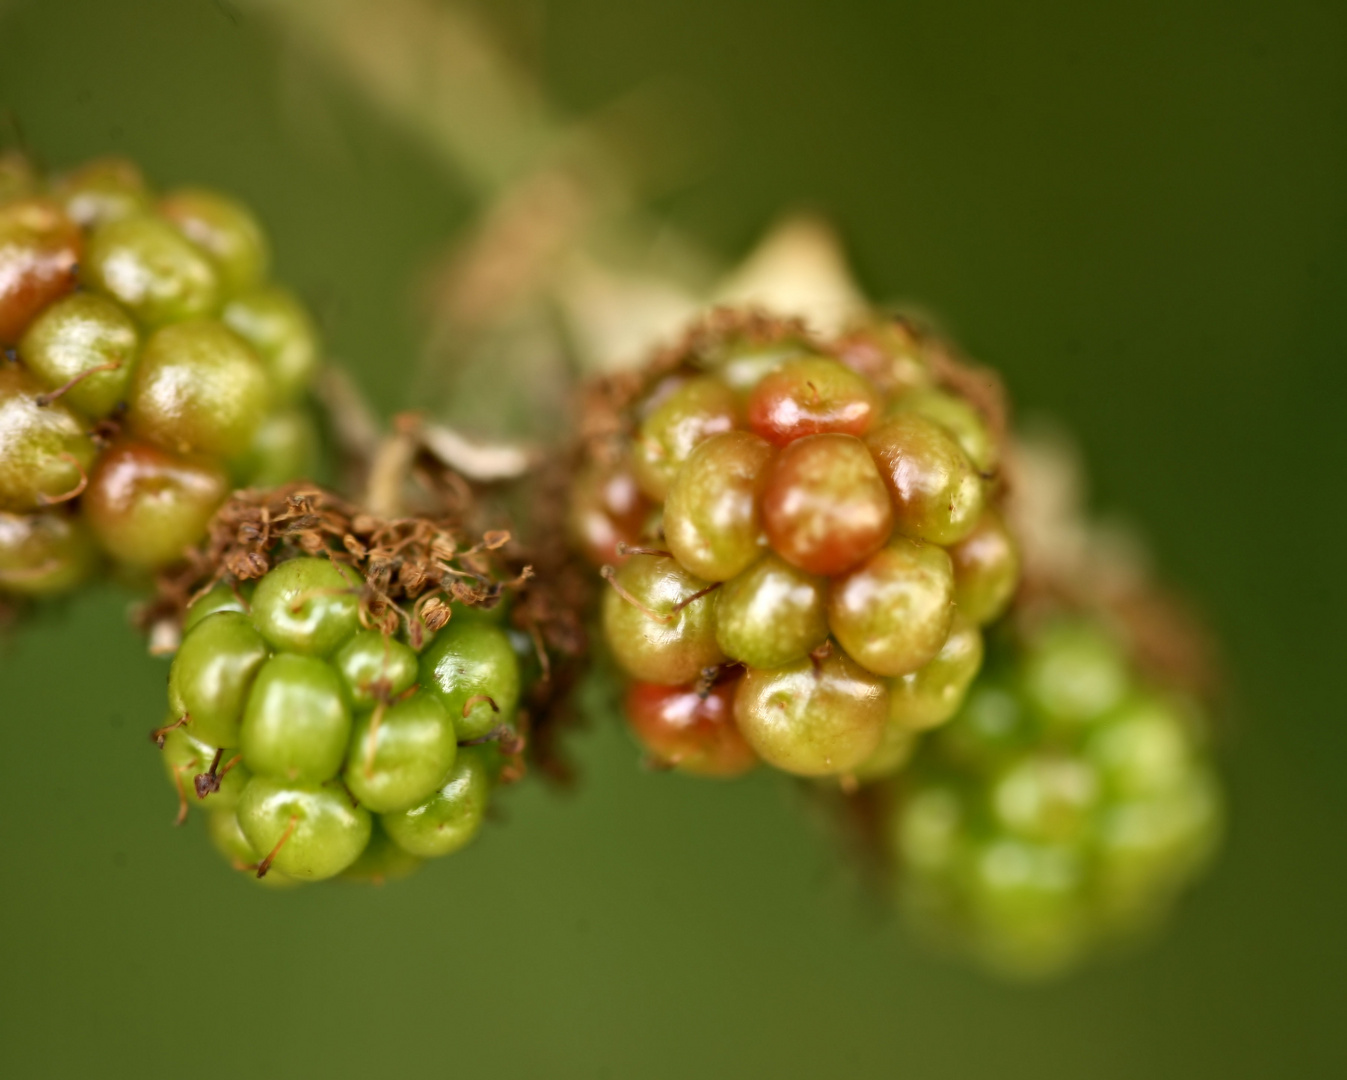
[{"x": 1137, "y": 210}]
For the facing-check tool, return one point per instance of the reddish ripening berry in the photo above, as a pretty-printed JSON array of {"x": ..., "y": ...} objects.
[
  {"x": 986, "y": 569},
  {"x": 691, "y": 731},
  {"x": 146, "y": 506},
  {"x": 937, "y": 493},
  {"x": 889, "y": 354},
  {"x": 680, "y": 418},
  {"x": 606, "y": 509},
  {"x": 711, "y": 519},
  {"x": 893, "y": 612},
  {"x": 824, "y": 505},
  {"x": 39, "y": 252},
  {"x": 656, "y": 630},
  {"x": 813, "y": 717},
  {"x": 810, "y": 396}
]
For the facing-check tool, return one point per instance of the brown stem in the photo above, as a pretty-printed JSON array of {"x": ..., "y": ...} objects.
[{"x": 477, "y": 699}]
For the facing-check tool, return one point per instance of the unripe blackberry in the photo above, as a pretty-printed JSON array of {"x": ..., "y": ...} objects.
[
  {"x": 333, "y": 689},
  {"x": 814, "y": 495},
  {"x": 149, "y": 365},
  {"x": 1065, "y": 805}
]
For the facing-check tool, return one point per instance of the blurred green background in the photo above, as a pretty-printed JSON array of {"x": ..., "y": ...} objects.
[{"x": 1138, "y": 211}]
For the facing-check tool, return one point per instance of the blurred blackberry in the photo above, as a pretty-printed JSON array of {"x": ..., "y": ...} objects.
[{"x": 150, "y": 366}]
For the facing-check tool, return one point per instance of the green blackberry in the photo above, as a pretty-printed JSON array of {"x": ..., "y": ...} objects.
[
  {"x": 150, "y": 367},
  {"x": 803, "y": 529},
  {"x": 1066, "y": 805},
  {"x": 338, "y": 706}
]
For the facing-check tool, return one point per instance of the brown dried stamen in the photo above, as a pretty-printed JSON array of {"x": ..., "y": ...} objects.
[
  {"x": 265, "y": 864},
  {"x": 158, "y": 734},
  {"x": 624, "y": 549},
  {"x": 372, "y": 737},
  {"x": 179, "y": 771},
  {"x": 477, "y": 699},
  {"x": 73, "y": 493},
  {"x": 207, "y": 783},
  {"x": 44, "y": 400},
  {"x": 610, "y": 575}
]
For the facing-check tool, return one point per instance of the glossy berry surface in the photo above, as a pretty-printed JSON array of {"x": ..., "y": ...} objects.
[
  {"x": 150, "y": 362},
  {"x": 811, "y": 396},
  {"x": 296, "y": 724},
  {"x": 281, "y": 331},
  {"x": 929, "y": 696},
  {"x": 937, "y": 493},
  {"x": 812, "y": 717},
  {"x": 792, "y": 503},
  {"x": 375, "y": 668},
  {"x": 225, "y": 230},
  {"x": 151, "y": 269},
  {"x": 86, "y": 338},
  {"x": 309, "y": 831},
  {"x": 213, "y": 673},
  {"x": 400, "y": 754},
  {"x": 472, "y": 668},
  {"x": 307, "y": 605},
  {"x": 451, "y": 817},
  {"x": 893, "y": 612},
  {"x": 659, "y": 620},
  {"x": 688, "y": 729},
  {"x": 45, "y": 453},
  {"x": 689, "y": 413},
  {"x": 320, "y": 748},
  {"x": 199, "y": 388},
  {"x": 771, "y": 614},
  {"x": 40, "y": 249},
  {"x": 147, "y": 506},
  {"x": 712, "y": 522},
  {"x": 824, "y": 506}
]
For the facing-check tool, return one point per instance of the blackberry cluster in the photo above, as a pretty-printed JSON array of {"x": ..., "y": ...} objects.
[
  {"x": 1064, "y": 806},
  {"x": 348, "y": 691},
  {"x": 149, "y": 368},
  {"x": 801, "y": 542}
]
